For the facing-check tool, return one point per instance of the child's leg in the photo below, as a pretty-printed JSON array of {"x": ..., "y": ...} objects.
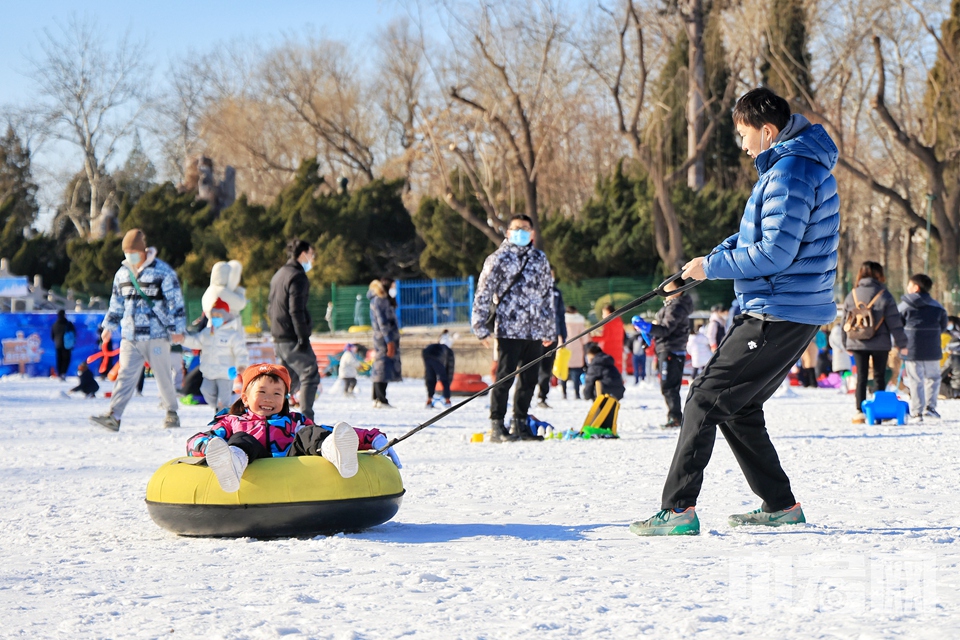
[
  {"x": 208, "y": 389},
  {"x": 338, "y": 445},
  {"x": 224, "y": 393}
]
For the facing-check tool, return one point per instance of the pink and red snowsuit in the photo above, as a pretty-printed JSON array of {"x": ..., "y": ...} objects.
[{"x": 277, "y": 435}]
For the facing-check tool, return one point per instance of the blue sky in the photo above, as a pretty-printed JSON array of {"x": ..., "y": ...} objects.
[{"x": 173, "y": 27}]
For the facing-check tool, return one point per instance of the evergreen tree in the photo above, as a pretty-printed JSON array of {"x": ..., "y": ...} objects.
[
  {"x": 454, "y": 247},
  {"x": 18, "y": 194},
  {"x": 942, "y": 99},
  {"x": 786, "y": 67},
  {"x": 722, "y": 155}
]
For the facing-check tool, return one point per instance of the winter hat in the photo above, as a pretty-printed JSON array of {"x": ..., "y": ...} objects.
[
  {"x": 220, "y": 304},
  {"x": 134, "y": 241},
  {"x": 254, "y": 371}
]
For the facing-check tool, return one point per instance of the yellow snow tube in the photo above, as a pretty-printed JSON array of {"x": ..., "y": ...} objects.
[{"x": 278, "y": 497}]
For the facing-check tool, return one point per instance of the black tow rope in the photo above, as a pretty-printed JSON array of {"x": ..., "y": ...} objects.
[{"x": 659, "y": 291}]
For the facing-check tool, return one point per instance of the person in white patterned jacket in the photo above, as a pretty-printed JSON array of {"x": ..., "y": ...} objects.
[
  {"x": 517, "y": 278},
  {"x": 147, "y": 307}
]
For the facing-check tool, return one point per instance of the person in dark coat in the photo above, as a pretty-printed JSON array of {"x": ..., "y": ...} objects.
[
  {"x": 886, "y": 318},
  {"x": 950, "y": 375},
  {"x": 924, "y": 319},
  {"x": 546, "y": 365},
  {"x": 438, "y": 366},
  {"x": 88, "y": 384},
  {"x": 670, "y": 330},
  {"x": 386, "y": 339},
  {"x": 64, "y": 336},
  {"x": 290, "y": 323},
  {"x": 600, "y": 367}
]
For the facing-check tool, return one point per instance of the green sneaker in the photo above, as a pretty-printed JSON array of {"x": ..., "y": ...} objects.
[
  {"x": 793, "y": 515},
  {"x": 669, "y": 523}
]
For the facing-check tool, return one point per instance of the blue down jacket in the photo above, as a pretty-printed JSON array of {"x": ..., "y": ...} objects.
[{"x": 783, "y": 261}]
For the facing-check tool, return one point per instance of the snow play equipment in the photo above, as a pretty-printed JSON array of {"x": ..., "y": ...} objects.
[
  {"x": 278, "y": 497},
  {"x": 465, "y": 384},
  {"x": 885, "y": 405}
]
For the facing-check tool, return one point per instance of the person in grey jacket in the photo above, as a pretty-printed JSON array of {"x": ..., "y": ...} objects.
[
  {"x": 886, "y": 318},
  {"x": 516, "y": 276},
  {"x": 924, "y": 319},
  {"x": 386, "y": 339}
]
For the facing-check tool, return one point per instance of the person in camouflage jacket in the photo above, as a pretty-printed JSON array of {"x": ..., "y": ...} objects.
[
  {"x": 517, "y": 277},
  {"x": 146, "y": 306}
]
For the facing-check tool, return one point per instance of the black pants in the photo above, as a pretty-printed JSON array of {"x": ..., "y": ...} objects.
[
  {"x": 63, "y": 362},
  {"x": 514, "y": 354},
  {"x": 304, "y": 373},
  {"x": 307, "y": 443},
  {"x": 349, "y": 384},
  {"x": 862, "y": 359},
  {"x": 546, "y": 372},
  {"x": 380, "y": 392},
  {"x": 573, "y": 377},
  {"x": 434, "y": 372},
  {"x": 671, "y": 379},
  {"x": 748, "y": 366}
]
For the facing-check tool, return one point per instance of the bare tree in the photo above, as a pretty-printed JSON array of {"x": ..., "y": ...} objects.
[
  {"x": 319, "y": 84},
  {"x": 178, "y": 112},
  {"x": 91, "y": 95},
  {"x": 617, "y": 54}
]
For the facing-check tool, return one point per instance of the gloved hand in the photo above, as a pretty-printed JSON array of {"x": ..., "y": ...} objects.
[
  {"x": 583, "y": 378},
  {"x": 640, "y": 324},
  {"x": 643, "y": 327},
  {"x": 391, "y": 349},
  {"x": 381, "y": 441},
  {"x": 303, "y": 345},
  {"x": 232, "y": 372}
]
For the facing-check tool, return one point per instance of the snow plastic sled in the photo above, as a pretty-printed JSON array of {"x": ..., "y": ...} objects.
[
  {"x": 885, "y": 405},
  {"x": 466, "y": 384},
  {"x": 278, "y": 497}
]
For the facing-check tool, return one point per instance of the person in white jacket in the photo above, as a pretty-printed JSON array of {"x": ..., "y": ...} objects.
[
  {"x": 223, "y": 354},
  {"x": 698, "y": 346},
  {"x": 347, "y": 372}
]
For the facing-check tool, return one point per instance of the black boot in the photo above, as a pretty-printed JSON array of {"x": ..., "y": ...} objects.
[
  {"x": 520, "y": 430},
  {"x": 499, "y": 433}
]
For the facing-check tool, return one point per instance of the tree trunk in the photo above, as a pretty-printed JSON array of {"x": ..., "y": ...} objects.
[
  {"x": 693, "y": 21},
  {"x": 666, "y": 226}
]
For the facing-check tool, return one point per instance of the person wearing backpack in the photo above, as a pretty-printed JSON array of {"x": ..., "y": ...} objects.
[
  {"x": 64, "y": 336},
  {"x": 924, "y": 319},
  {"x": 870, "y": 319}
]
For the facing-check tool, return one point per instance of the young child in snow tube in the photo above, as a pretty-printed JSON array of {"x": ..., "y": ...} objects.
[{"x": 261, "y": 425}]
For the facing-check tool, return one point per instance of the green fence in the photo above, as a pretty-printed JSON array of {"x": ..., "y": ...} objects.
[{"x": 350, "y": 305}]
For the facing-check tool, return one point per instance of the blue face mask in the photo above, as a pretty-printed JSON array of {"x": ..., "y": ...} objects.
[
  {"x": 306, "y": 266},
  {"x": 520, "y": 237},
  {"x": 216, "y": 322},
  {"x": 132, "y": 258}
]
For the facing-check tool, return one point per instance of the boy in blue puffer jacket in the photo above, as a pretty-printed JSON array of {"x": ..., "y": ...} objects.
[{"x": 783, "y": 263}]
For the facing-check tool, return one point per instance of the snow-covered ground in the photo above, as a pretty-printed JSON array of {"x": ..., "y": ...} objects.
[{"x": 492, "y": 541}]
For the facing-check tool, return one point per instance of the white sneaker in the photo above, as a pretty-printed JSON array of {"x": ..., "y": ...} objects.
[
  {"x": 227, "y": 463},
  {"x": 340, "y": 448}
]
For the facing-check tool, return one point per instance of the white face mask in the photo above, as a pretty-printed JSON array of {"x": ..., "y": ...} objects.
[
  {"x": 307, "y": 266},
  {"x": 133, "y": 258},
  {"x": 393, "y": 292}
]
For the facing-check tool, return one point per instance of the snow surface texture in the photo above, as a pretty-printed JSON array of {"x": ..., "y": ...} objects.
[{"x": 493, "y": 540}]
